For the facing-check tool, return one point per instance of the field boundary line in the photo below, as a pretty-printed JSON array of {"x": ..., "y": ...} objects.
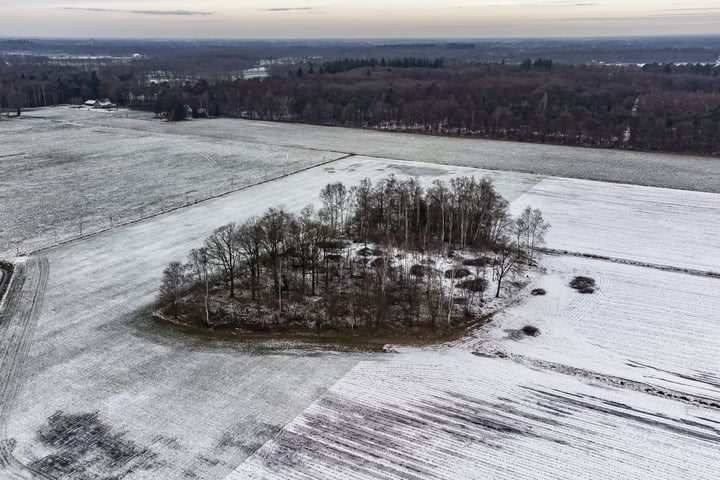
[
  {"x": 635, "y": 263},
  {"x": 43, "y": 250}
]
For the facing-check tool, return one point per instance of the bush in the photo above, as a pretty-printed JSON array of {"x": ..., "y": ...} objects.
[
  {"x": 477, "y": 262},
  {"x": 583, "y": 284},
  {"x": 457, "y": 273},
  {"x": 474, "y": 285},
  {"x": 417, "y": 270},
  {"x": 530, "y": 331}
]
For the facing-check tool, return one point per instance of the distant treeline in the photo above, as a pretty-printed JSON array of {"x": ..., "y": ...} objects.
[
  {"x": 348, "y": 64},
  {"x": 656, "y": 107}
]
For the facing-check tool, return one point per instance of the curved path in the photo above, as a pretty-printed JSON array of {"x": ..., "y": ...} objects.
[{"x": 17, "y": 324}]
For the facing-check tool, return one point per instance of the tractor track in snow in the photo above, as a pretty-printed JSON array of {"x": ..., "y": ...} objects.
[
  {"x": 618, "y": 382},
  {"x": 17, "y": 325}
]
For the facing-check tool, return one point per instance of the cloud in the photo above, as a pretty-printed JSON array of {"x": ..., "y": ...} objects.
[
  {"x": 702, "y": 9},
  {"x": 557, "y": 3},
  {"x": 180, "y": 13},
  {"x": 287, "y": 9}
]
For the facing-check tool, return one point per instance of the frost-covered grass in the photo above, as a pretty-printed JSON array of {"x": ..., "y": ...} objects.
[
  {"x": 644, "y": 224},
  {"x": 61, "y": 179}
]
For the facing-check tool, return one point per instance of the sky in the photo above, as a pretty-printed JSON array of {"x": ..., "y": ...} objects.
[{"x": 249, "y": 19}]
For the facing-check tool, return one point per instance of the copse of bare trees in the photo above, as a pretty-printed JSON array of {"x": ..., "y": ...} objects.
[
  {"x": 462, "y": 213},
  {"x": 371, "y": 256}
]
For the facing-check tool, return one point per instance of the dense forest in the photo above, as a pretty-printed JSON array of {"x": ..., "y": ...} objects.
[
  {"x": 656, "y": 107},
  {"x": 390, "y": 255}
]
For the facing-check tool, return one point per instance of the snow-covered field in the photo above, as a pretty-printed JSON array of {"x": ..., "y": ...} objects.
[
  {"x": 62, "y": 179},
  {"x": 451, "y": 415},
  {"x": 641, "y": 324},
  {"x": 89, "y": 353},
  {"x": 643, "y": 224},
  {"x": 672, "y": 171},
  {"x": 621, "y": 383}
]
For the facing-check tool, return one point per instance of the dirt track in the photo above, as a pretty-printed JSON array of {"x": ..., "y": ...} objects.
[{"x": 17, "y": 324}]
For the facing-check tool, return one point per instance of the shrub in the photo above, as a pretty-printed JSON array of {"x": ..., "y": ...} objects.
[
  {"x": 530, "y": 331},
  {"x": 477, "y": 262},
  {"x": 583, "y": 284},
  {"x": 457, "y": 273},
  {"x": 474, "y": 284},
  {"x": 417, "y": 270}
]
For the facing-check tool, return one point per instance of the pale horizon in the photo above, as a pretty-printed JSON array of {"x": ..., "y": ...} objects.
[{"x": 352, "y": 19}]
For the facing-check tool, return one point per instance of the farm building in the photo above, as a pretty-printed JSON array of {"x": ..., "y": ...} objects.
[{"x": 102, "y": 103}]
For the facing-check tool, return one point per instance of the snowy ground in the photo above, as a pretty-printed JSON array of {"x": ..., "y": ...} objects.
[
  {"x": 672, "y": 171},
  {"x": 450, "y": 415},
  {"x": 642, "y": 224},
  {"x": 90, "y": 354},
  {"x": 65, "y": 179},
  {"x": 658, "y": 328},
  {"x": 622, "y": 383}
]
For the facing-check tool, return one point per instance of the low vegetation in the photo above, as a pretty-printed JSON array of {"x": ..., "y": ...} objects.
[
  {"x": 384, "y": 259},
  {"x": 530, "y": 331},
  {"x": 583, "y": 284}
]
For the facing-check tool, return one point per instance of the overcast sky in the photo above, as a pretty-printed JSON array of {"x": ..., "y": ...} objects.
[{"x": 356, "y": 18}]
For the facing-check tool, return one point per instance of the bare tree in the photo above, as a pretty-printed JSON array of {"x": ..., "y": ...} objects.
[
  {"x": 529, "y": 230},
  {"x": 302, "y": 240},
  {"x": 274, "y": 225},
  {"x": 222, "y": 250},
  {"x": 334, "y": 199},
  {"x": 362, "y": 203},
  {"x": 520, "y": 228},
  {"x": 173, "y": 285},
  {"x": 199, "y": 264},
  {"x": 249, "y": 241},
  {"x": 537, "y": 228},
  {"x": 507, "y": 262}
]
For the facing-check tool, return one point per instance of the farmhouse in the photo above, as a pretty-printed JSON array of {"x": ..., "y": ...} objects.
[{"x": 102, "y": 103}]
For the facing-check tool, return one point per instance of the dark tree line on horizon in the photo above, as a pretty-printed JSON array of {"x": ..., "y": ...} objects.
[{"x": 657, "y": 107}]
